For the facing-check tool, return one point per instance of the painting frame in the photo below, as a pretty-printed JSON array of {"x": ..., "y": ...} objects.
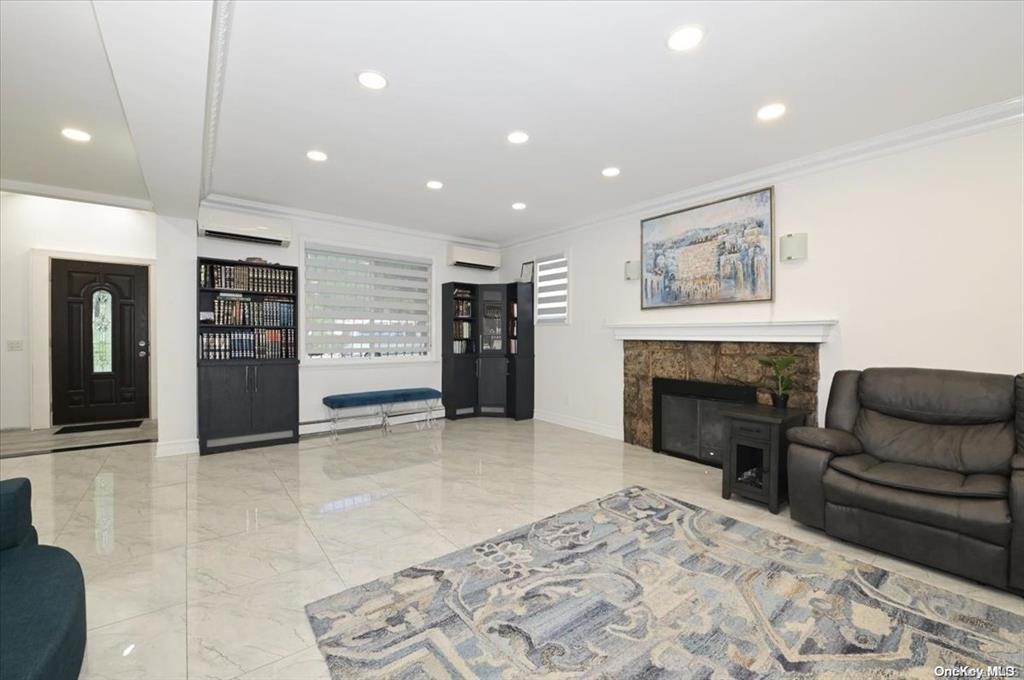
[{"x": 770, "y": 260}]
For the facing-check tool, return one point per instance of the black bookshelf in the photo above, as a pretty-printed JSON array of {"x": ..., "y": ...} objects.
[
  {"x": 247, "y": 345},
  {"x": 487, "y": 350}
]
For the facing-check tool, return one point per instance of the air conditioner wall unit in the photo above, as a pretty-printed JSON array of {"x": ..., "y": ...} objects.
[
  {"x": 276, "y": 235},
  {"x": 461, "y": 256}
]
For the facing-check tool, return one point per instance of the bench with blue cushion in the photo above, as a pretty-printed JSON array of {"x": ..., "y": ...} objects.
[{"x": 385, "y": 400}]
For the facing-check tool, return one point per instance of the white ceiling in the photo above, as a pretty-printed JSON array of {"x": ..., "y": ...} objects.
[
  {"x": 53, "y": 75},
  {"x": 593, "y": 84}
]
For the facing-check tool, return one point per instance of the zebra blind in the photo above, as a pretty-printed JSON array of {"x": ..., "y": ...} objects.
[
  {"x": 553, "y": 288},
  {"x": 359, "y": 305}
]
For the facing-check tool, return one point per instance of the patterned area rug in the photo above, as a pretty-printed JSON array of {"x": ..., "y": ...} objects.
[{"x": 640, "y": 585}]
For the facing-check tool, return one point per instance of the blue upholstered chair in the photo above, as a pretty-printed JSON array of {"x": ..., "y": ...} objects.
[{"x": 42, "y": 597}]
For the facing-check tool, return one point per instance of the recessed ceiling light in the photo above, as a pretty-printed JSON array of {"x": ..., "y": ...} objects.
[
  {"x": 518, "y": 137},
  {"x": 611, "y": 172},
  {"x": 519, "y": 206},
  {"x": 771, "y": 111},
  {"x": 76, "y": 135},
  {"x": 685, "y": 38},
  {"x": 434, "y": 184},
  {"x": 372, "y": 80},
  {"x": 315, "y": 155}
]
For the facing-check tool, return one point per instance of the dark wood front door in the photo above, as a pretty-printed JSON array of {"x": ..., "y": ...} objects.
[{"x": 99, "y": 330}]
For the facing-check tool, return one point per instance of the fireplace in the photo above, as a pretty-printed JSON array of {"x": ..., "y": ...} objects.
[
  {"x": 727, "y": 364},
  {"x": 688, "y": 420}
]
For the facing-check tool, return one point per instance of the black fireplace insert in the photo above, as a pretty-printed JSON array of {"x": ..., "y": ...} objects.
[{"x": 688, "y": 419}]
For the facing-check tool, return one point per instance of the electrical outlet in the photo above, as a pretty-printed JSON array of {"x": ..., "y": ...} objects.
[{"x": 15, "y": 346}]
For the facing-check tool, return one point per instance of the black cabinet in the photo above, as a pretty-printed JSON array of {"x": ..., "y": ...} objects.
[
  {"x": 243, "y": 405},
  {"x": 487, "y": 350},
  {"x": 248, "y": 373},
  {"x": 755, "y": 461}
]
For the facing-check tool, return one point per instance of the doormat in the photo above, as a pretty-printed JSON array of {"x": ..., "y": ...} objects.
[{"x": 95, "y": 427}]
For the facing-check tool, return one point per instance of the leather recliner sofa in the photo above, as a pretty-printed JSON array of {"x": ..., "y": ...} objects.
[{"x": 927, "y": 465}]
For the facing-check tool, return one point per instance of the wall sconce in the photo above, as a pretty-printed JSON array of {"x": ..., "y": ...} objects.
[
  {"x": 632, "y": 270},
  {"x": 793, "y": 247}
]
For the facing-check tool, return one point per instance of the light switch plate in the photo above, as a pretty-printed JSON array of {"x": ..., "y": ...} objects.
[{"x": 15, "y": 346}]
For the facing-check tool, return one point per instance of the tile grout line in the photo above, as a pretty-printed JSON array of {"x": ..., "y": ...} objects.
[{"x": 92, "y": 484}]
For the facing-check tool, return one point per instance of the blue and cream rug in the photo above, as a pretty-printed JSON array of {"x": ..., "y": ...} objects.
[{"x": 640, "y": 585}]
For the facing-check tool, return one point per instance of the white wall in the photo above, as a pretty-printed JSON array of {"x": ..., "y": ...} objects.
[
  {"x": 44, "y": 226},
  {"x": 917, "y": 254},
  {"x": 320, "y": 378}
]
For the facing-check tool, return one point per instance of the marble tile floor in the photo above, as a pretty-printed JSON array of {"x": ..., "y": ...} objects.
[
  {"x": 22, "y": 442},
  {"x": 200, "y": 567}
]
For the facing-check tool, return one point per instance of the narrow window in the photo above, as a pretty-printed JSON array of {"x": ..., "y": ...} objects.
[{"x": 102, "y": 332}]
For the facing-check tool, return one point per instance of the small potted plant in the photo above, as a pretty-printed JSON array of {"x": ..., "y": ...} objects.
[{"x": 781, "y": 381}]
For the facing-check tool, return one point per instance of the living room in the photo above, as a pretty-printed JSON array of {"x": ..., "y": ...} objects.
[{"x": 651, "y": 340}]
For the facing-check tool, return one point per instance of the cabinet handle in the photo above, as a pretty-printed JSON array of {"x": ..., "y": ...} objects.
[
  {"x": 256, "y": 378},
  {"x": 247, "y": 389}
]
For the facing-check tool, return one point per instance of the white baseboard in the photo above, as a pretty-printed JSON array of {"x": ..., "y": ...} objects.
[
  {"x": 579, "y": 424},
  {"x": 178, "y": 447}
]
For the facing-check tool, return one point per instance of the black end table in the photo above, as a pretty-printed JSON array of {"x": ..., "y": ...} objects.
[{"x": 755, "y": 463}]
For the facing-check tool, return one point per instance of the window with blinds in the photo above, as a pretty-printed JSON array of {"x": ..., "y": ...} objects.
[
  {"x": 363, "y": 306},
  {"x": 553, "y": 288}
]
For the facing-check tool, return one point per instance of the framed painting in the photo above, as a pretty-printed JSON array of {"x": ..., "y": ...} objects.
[{"x": 709, "y": 254}]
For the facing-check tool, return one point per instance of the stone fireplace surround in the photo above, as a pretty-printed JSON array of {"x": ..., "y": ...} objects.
[{"x": 726, "y": 362}]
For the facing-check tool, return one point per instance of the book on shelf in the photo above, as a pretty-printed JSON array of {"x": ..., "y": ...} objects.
[
  {"x": 247, "y": 278},
  {"x": 513, "y": 346},
  {"x": 232, "y": 309},
  {"x": 461, "y": 347},
  {"x": 462, "y": 330},
  {"x": 463, "y": 308},
  {"x": 259, "y": 343}
]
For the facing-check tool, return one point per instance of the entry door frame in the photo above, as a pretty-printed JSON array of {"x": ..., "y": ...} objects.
[{"x": 40, "y": 409}]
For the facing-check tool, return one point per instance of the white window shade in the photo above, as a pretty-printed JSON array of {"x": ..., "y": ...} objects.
[
  {"x": 360, "y": 306},
  {"x": 553, "y": 288}
]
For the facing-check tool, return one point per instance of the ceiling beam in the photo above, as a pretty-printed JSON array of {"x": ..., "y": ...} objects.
[{"x": 158, "y": 53}]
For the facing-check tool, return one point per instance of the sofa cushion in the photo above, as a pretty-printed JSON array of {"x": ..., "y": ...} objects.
[
  {"x": 924, "y": 479},
  {"x": 965, "y": 449},
  {"x": 42, "y": 620},
  {"x": 987, "y": 519},
  {"x": 939, "y": 397}
]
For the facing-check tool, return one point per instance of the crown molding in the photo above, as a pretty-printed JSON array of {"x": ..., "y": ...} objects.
[
  {"x": 69, "y": 194},
  {"x": 282, "y": 212},
  {"x": 957, "y": 125},
  {"x": 223, "y": 12}
]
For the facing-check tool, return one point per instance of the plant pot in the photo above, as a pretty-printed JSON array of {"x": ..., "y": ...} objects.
[{"x": 780, "y": 400}]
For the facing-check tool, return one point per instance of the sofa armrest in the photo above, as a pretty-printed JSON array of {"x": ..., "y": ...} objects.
[
  {"x": 839, "y": 442},
  {"x": 1017, "y": 461},
  {"x": 1016, "y": 576},
  {"x": 16, "y": 513},
  {"x": 806, "y": 468}
]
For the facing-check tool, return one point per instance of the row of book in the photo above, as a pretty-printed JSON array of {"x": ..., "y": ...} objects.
[
  {"x": 239, "y": 311},
  {"x": 463, "y": 308},
  {"x": 261, "y": 343},
  {"x": 247, "y": 277},
  {"x": 462, "y": 346},
  {"x": 462, "y": 329}
]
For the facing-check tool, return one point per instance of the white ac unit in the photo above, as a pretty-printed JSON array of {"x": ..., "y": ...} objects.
[
  {"x": 267, "y": 235},
  {"x": 461, "y": 256}
]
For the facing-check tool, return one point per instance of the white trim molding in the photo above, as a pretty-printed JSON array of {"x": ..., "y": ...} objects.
[
  {"x": 960, "y": 124},
  {"x": 814, "y": 331},
  {"x": 244, "y": 205},
  {"x": 80, "y": 195},
  {"x": 177, "y": 447},
  {"x": 575, "y": 423}
]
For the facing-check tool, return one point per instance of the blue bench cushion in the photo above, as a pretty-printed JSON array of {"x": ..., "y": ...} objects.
[{"x": 380, "y": 397}]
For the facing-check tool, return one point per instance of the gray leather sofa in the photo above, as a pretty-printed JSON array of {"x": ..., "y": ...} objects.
[{"x": 924, "y": 464}]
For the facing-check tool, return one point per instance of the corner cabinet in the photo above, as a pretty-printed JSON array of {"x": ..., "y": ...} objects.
[
  {"x": 487, "y": 350},
  {"x": 248, "y": 379}
]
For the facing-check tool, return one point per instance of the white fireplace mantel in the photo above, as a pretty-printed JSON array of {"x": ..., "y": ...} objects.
[{"x": 816, "y": 331}]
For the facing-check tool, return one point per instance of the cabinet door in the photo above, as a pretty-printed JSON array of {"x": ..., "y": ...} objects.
[
  {"x": 520, "y": 387},
  {"x": 491, "y": 386},
  {"x": 459, "y": 385},
  {"x": 225, "y": 403},
  {"x": 275, "y": 398}
]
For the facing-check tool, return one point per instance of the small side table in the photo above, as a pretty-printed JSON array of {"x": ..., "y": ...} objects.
[{"x": 755, "y": 464}]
